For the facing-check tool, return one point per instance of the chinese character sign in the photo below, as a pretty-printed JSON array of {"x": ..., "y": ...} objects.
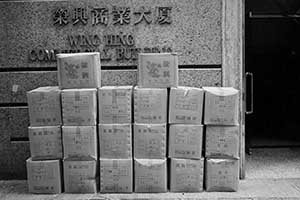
[{"x": 116, "y": 15}]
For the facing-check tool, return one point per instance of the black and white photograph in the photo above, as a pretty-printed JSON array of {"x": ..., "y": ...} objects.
[{"x": 149, "y": 99}]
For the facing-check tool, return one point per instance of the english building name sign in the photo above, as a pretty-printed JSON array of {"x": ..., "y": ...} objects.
[
  {"x": 120, "y": 47},
  {"x": 35, "y": 32}
]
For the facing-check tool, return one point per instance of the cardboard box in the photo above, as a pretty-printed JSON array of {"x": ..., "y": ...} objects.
[
  {"x": 44, "y": 106},
  {"x": 80, "y": 142},
  {"x": 222, "y": 141},
  {"x": 115, "y": 140},
  {"x": 79, "y": 70},
  {"x": 80, "y": 176},
  {"x": 158, "y": 70},
  {"x": 150, "y": 105},
  {"x": 44, "y": 177},
  {"x": 222, "y": 175},
  {"x": 150, "y": 175},
  {"x": 186, "y": 105},
  {"x": 221, "y": 106},
  {"x": 150, "y": 141},
  {"x": 116, "y": 175},
  {"x": 186, "y": 175},
  {"x": 45, "y": 142},
  {"x": 115, "y": 104},
  {"x": 79, "y": 107},
  {"x": 185, "y": 141}
]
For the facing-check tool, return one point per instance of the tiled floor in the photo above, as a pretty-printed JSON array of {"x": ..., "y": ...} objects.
[{"x": 271, "y": 174}]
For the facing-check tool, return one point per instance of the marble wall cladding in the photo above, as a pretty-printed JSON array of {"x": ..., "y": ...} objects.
[
  {"x": 21, "y": 82},
  {"x": 3, "y": 38},
  {"x": 12, "y": 162},
  {"x": 13, "y": 153},
  {"x": 18, "y": 122},
  {"x": 194, "y": 31},
  {"x": 4, "y": 90},
  {"x": 18, "y": 83},
  {"x": 4, "y": 125}
]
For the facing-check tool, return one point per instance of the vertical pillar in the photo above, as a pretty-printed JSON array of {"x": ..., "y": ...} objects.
[{"x": 233, "y": 60}]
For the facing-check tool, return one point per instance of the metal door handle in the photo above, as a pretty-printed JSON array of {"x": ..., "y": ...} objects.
[{"x": 250, "y": 75}]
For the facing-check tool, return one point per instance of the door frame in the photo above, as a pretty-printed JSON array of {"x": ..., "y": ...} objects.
[{"x": 233, "y": 66}]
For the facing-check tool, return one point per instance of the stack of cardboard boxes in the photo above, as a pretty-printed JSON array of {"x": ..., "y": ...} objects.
[
  {"x": 44, "y": 166},
  {"x": 79, "y": 78},
  {"x": 185, "y": 139},
  {"x": 222, "y": 139},
  {"x": 156, "y": 73},
  {"x": 167, "y": 123},
  {"x": 115, "y": 139}
]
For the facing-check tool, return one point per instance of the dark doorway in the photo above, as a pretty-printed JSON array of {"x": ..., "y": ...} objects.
[{"x": 273, "y": 56}]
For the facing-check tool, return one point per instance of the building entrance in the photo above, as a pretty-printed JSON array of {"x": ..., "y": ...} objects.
[{"x": 273, "y": 57}]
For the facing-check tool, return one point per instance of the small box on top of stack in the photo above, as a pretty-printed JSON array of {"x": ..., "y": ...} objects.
[
  {"x": 222, "y": 138},
  {"x": 185, "y": 139},
  {"x": 79, "y": 76},
  {"x": 115, "y": 136},
  {"x": 156, "y": 73},
  {"x": 44, "y": 165}
]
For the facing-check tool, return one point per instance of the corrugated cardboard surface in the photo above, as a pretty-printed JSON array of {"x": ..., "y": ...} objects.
[
  {"x": 44, "y": 106},
  {"x": 185, "y": 141},
  {"x": 44, "y": 176},
  {"x": 80, "y": 141},
  {"x": 222, "y": 141},
  {"x": 159, "y": 70},
  {"x": 250, "y": 189},
  {"x": 187, "y": 175},
  {"x": 80, "y": 176},
  {"x": 221, "y": 175},
  {"x": 150, "y": 105},
  {"x": 45, "y": 142},
  {"x": 150, "y": 141},
  {"x": 271, "y": 174},
  {"x": 221, "y": 106},
  {"x": 79, "y": 107},
  {"x": 116, "y": 175},
  {"x": 115, "y": 104},
  {"x": 80, "y": 70},
  {"x": 115, "y": 140},
  {"x": 186, "y": 105},
  {"x": 150, "y": 175}
]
